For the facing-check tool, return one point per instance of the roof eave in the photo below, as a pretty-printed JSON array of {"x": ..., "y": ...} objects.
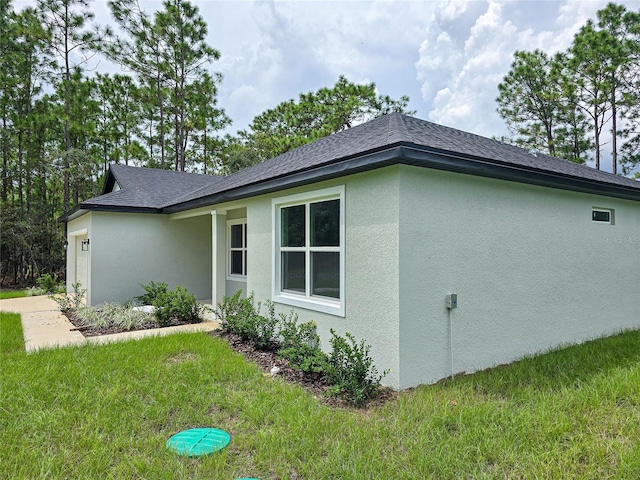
[
  {"x": 515, "y": 173},
  {"x": 84, "y": 208},
  {"x": 416, "y": 155}
]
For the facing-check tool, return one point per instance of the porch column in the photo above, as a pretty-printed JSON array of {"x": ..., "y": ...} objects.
[{"x": 218, "y": 256}]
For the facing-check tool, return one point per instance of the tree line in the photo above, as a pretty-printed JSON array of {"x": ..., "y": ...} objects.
[
  {"x": 63, "y": 124},
  {"x": 563, "y": 104}
]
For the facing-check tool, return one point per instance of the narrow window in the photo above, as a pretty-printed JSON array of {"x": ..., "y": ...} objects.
[
  {"x": 309, "y": 256},
  {"x": 237, "y": 251}
]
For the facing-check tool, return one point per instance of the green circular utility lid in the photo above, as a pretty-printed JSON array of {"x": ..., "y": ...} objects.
[{"x": 196, "y": 442}]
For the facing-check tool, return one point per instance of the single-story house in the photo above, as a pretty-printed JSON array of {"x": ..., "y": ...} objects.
[{"x": 370, "y": 230}]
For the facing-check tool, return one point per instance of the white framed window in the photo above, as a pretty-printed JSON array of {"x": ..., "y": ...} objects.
[
  {"x": 237, "y": 249},
  {"x": 602, "y": 215},
  {"x": 309, "y": 250}
]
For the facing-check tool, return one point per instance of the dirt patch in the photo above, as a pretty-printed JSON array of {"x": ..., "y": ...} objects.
[{"x": 182, "y": 357}]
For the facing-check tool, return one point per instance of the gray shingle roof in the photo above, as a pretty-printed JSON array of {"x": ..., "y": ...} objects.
[
  {"x": 394, "y": 138},
  {"x": 402, "y": 130},
  {"x": 149, "y": 188}
]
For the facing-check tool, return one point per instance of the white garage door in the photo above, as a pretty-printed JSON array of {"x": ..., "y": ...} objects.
[{"x": 81, "y": 262}]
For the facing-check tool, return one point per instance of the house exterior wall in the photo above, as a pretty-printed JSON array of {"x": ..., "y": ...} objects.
[
  {"x": 531, "y": 270},
  {"x": 127, "y": 249},
  {"x": 371, "y": 272}
]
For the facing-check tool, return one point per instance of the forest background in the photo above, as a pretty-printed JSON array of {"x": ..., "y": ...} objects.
[{"x": 63, "y": 124}]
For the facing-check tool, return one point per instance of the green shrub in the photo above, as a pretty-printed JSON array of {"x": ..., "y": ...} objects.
[
  {"x": 233, "y": 313},
  {"x": 178, "y": 303},
  {"x": 242, "y": 317},
  {"x": 300, "y": 344},
  {"x": 47, "y": 283},
  {"x": 154, "y": 290},
  {"x": 263, "y": 331},
  {"x": 350, "y": 370}
]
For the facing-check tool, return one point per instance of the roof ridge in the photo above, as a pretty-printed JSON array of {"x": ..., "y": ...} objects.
[{"x": 397, "y": 128}]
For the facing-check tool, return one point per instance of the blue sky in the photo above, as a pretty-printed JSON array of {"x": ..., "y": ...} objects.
[{"x": 448, "y": 56}]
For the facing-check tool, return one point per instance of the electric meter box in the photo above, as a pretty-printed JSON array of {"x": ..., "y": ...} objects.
[{"x": 452, "y": 301}]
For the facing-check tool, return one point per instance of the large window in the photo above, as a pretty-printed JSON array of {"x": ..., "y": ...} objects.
[
  {"x": 237, "y": 249},
  {"x": 309, "y": 250}
]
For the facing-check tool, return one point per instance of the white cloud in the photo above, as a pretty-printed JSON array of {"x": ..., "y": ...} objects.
[
  {"x": 468, "y": 48},
  {"x": 448, "y": 55}
]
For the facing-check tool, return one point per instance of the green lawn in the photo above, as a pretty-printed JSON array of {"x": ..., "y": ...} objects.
[
  {"x": 107, "y": 411},
  {"x": 7, "y": 294}
]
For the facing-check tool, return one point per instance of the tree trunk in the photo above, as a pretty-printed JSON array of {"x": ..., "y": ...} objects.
[
  {"x": 67, "y": 109},
  {"x": 614, "y": 132}
]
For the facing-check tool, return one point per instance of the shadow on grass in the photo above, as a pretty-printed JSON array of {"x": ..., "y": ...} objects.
[{"x": 561, "y": 368}]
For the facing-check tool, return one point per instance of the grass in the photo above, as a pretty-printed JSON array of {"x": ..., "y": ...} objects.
[
  {"x": 107, "y": 411},
  {"x": 7, "y": 294}
]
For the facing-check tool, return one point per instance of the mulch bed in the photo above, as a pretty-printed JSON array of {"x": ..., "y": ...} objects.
[
  {"x": 313, "y": 383},
  {"x": 96, "y": 332}
]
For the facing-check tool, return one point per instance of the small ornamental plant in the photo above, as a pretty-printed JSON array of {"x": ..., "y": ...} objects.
[
  {"x": 70, "y": 302},
  {"x": 348, "y": 368}
]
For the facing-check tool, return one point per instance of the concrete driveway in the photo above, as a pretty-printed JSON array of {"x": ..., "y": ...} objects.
[{"x": 44, "y": 326}]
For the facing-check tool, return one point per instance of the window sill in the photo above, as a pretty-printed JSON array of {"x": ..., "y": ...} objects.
[
  {"x": 237, "y": 278},
  {"x": 315, "y": 304}
]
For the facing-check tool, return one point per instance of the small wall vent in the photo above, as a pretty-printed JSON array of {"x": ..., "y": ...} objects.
[{"x": 602, "y": 215}]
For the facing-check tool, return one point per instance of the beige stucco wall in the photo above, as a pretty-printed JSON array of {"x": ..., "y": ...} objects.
[
  {"x": 531, "y": 270},
  {"x": 127, "y": 249}
]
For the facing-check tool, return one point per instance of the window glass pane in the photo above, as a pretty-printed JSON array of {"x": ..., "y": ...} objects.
[
  {"x": 601, "y": 216},
  {"x": 245, "y": 263},
  {"x": 236, "y": 262},
  {"x": 325, "y": 224},
  {"x": 236, "y": 236},
  {"x": 293, "y": 271},
  {"x": 293, "y": 226},
  {"x": 325, "y": 271}
]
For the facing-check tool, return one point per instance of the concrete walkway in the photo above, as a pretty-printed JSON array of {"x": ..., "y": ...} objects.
[{"x": 44, "y": 326}]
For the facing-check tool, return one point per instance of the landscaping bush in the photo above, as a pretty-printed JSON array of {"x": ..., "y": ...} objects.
[
  {"x": 178, "y": 303},
  {"x": 300, "y": 344},
  {"x": 350, "y": 370},
  {"x": 240, "y": 316},
  {"x": 47, "y": 283},
  {"x": 235, "y": 313},
  {"x": 263, "y": 331},
  {"x": 154, "y": 290}
]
